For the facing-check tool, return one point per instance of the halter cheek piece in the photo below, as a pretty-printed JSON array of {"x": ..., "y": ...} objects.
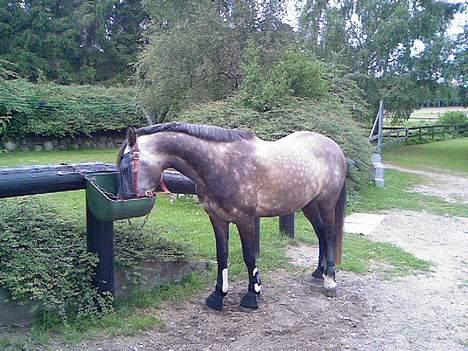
[{"x": 136, "y": 168}]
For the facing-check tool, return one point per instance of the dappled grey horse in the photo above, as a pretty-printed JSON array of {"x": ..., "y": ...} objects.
[{"x": 239, "y": 178}]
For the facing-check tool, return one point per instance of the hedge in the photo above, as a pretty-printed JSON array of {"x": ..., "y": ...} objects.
[{"x": 48, "y": 109}]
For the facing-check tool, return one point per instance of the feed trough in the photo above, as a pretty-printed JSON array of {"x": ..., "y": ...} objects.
[{"x": 101, "y": 192}]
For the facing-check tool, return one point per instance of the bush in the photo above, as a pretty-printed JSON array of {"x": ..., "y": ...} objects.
[
  {"x": 328, "y": 117},
  {"x": 453, "y": 117},
  {"x": 47, "y": 109},
  {"x": 43, "y": 259},
  {"x": 296, "y": 74}
]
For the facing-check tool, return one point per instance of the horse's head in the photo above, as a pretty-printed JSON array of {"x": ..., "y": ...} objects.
[{"x": 138, "y": 175}]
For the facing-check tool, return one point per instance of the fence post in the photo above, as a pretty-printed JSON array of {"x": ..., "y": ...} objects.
[
  {"x": 100, "y": 240},
  {"x": 433, "y": 132},
  {"x": 420, "y": 135},
  {"x": 286, "y": 224},
  {"x": 381, "y": 121}
]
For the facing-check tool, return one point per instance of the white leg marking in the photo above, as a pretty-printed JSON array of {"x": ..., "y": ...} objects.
[
  {"x": 257, "y": 288},
  {"x": 328, "y": 283},
  {"x": 255, "y": 271},
  {"x": 225, "y": 280}
]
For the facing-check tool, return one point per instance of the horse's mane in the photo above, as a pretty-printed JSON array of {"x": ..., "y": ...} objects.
[{"x": 201, "y": 131}]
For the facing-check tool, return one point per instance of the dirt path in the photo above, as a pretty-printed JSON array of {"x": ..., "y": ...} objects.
[{"x": 450, "y": 187}]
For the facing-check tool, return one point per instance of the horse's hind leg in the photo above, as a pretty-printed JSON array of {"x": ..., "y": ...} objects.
[
  {"x": 250, "y": 252},
  {"x": 327, "y": 213},
  {"x": 312, "y": 213},
  {"x": 221, "y": 229}
]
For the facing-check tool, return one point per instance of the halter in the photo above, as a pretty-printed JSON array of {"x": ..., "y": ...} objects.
[{"x": 136, "y": 168}]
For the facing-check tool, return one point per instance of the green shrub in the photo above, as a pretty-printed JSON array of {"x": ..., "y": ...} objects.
[
  {"x": 328, "y": 117},
  {"x": 296, "y": 74},
  {"x": 49, "y": 109},
  {"x": 43, "y": 259},
  {"x": 453, "y": 117}
]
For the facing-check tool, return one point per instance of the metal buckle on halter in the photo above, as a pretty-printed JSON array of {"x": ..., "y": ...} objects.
[
  {"x": 149, "y": 193},
  {"x": 136, "y": 155}
]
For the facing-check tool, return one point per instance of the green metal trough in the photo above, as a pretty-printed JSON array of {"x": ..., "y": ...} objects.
[{"x": 100, "y": 191}]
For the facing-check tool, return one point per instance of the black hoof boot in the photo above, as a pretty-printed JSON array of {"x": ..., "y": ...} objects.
[
  {"x": 215, "y": 301},
  {"x": 330, "y": 292},
  {"x": 317, "y": 276},
  {"x": 250, "y": 300}
]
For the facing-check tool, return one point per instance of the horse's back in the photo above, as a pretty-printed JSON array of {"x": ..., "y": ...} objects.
[{"x": 300, "y": 167}]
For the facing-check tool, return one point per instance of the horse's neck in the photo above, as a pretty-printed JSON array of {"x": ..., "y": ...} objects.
[{"x": 187, "y": 154}]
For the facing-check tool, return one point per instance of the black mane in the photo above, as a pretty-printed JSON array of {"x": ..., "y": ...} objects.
[{"x": 200, "y": 131}]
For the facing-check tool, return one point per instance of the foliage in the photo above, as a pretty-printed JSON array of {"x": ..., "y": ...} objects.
[
  {"x": 71, "y": 41},
  {"x": 327, "y": 117},
  {"x": 136, "y": 243},
  {"x": 296, "y": 74},
  {"x": 43, "y": 259},
  {"x": 390, "y": 46},
  {"x": 196, "y": 50},
  {"x": 453, "y": 117},
  {"x": 52, "y": 110}
]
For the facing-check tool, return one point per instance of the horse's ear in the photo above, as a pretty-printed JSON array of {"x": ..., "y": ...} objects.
[{"x": 131, "y": 137}]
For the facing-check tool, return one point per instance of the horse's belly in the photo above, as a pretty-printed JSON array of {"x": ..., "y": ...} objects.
[{"x": 284, "y": 201}]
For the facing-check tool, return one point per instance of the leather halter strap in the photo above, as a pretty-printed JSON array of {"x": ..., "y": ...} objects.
[{"x": 136, "y": 168}]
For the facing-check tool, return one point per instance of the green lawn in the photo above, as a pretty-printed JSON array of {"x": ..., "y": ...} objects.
[
  {"x": 451, "y": 154},
  {"x": 395, "y": 195},
  {"x": 9, "y": 159}
]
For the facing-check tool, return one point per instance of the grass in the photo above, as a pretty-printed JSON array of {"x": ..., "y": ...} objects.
[
  {"x": 185, "y": 221},
  {"x": 362, "y": 255},
  {"x": 10, "y": 159},
  {"x": 395, "y": 195},
  {"x": 445, "y": 155}
]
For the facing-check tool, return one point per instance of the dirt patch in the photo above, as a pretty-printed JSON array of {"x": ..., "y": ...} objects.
[{"x": 449, "y": 187}]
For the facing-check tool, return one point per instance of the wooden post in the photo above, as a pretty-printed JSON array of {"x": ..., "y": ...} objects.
[
  {"x": 286, "y": 224},
  {"x": 420, "y": 136},
  {"x": 100, "y": 240},
  {"x": 380, "y": 125},
  {"x": 433, "y": 132}
]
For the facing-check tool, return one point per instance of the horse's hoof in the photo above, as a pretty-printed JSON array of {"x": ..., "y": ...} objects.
[
  {"x": 330, "y": 292},
  {"x": 318, "y": 275},
  {"x": 215, "y": 301},
  {"x": 250, "y": 301}
]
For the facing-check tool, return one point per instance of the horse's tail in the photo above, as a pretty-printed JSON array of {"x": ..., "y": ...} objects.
[{"x": 340, "y": 209}]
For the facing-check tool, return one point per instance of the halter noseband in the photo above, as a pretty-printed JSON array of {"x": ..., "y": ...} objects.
[{"x": 136, "y": 168}]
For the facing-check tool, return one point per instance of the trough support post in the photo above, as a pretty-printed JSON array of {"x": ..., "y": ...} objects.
[
  {"x": 100, "y": 240},
  {"x": 287, "y": 224}
]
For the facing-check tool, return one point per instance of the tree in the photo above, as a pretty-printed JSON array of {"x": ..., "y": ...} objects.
[
  {"x": 379, "y": 41},
  {"x": 196, "y": 55}
]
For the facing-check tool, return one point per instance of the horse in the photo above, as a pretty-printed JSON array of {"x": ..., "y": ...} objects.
[{"x": 239, "y": 178}]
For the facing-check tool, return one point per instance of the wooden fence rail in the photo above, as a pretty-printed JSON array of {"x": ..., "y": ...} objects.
[{"x": 393, "y": 135}]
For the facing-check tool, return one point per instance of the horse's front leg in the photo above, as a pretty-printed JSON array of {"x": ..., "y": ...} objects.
[
  {"x": 250, "y": 251},
  {"x": 221, "y": 229}
]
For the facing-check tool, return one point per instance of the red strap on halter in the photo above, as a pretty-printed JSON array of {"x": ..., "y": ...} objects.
[{"x": 163, "y": 185}]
